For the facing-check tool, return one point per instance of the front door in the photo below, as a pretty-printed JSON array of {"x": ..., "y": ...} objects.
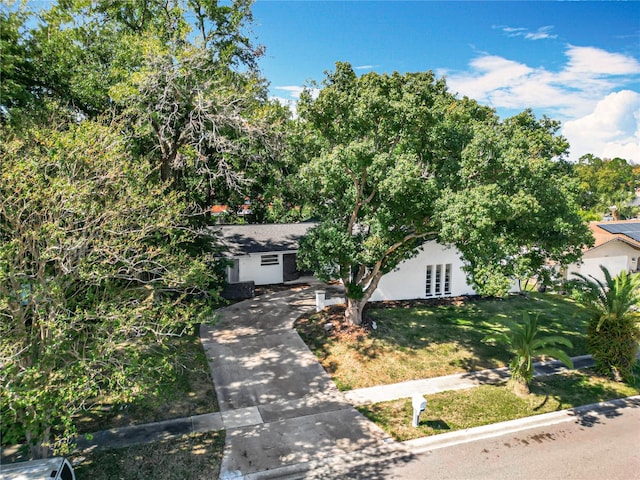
[{"x": 289, "y": 268}]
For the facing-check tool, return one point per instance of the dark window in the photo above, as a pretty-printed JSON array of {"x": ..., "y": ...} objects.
[
  {"x": 447, "y": 278},
  {"x": 428, "y": 291},
  {"x": 66, "y": 473},
  {"x": 438, "y": 290},
  {"x": 269, "y": 260}
]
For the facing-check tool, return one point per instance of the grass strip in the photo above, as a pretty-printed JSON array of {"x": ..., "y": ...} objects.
[
  {"x": 185, "y": 390},
  {"x": 457, "y": 410},
  {"x": 193, "y": 457}
]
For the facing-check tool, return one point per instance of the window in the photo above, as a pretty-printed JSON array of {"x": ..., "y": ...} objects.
[
  {"x": 447, "y": 279},
  {"x": 428, "y": 291},
  {"x": 438, "y": 281},
  {"x": 266, "y": 260}
]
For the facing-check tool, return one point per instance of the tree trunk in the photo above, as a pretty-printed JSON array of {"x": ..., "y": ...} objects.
[
  {"x": 39, "y": 448},
  {"x": 521, "y": 388},
  {"x": 353, "y": 312}
]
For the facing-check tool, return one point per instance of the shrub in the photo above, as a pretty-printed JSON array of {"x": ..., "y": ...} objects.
[{"x": 613, "y": 331}]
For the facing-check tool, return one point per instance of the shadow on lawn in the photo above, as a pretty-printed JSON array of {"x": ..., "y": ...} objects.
[
  {"x": 195, "y": 456},
  {"x": 575, "y": 389},
  {"x": 450, "y": 330}
]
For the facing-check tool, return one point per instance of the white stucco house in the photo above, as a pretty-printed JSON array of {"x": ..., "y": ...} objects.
[
  {"x": 616, "y": 247},
  {"x": 266, "y": 254}
]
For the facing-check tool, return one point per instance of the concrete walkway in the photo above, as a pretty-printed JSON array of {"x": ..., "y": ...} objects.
[
  {"x": 459, "y": 381},
  {"x": 279, "y": 407}
]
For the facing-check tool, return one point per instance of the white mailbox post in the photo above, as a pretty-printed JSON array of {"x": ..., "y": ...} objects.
[
  {"x": 321, "y": 296},
  {"x": 419, "y": 406}
]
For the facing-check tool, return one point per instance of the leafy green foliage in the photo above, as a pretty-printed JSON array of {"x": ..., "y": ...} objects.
[
  {"x": 613, "y": 332},
  {"x": 604, "y": 183},
  {"x": 390, "y": 161},
  {"x": 95, "y": 271},
  {"x": 524, "y": 342},
  {"x": 181, "y": 77}
]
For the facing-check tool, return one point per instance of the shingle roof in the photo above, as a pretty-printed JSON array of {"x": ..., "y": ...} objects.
[{"x": 244, "y": 239}]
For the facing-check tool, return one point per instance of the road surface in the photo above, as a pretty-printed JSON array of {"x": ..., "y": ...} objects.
[{"x": 603, "y": 447}]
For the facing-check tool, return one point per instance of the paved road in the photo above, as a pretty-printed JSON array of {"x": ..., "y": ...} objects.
[{"x": 591, "y": 448}]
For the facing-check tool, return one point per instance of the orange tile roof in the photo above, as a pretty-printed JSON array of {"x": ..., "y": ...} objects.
[{"x": 601, "y": 236}]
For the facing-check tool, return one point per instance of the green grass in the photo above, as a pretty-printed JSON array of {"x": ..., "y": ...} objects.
[
  {"x": 417, "y": 340},
  {"x": 487, "y": 404},
  {"x": 187, "y": 390},
  {"x": 193, "y": 457}
]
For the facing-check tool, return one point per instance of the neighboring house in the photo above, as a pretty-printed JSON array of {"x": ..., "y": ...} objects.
[
  {"x": 266, "y": 254},
  {"x": 616, "y": 247}
]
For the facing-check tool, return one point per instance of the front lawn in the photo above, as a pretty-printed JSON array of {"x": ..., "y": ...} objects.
[
  {"x": 422, "y": 340},
  {"x": 487, "y": 404}
]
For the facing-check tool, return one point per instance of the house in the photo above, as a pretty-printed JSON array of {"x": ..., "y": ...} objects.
[
  {"x": 436, "y": 271},
  {"x": 616, "y": 247},
  {"x": 266, "y": 254}
]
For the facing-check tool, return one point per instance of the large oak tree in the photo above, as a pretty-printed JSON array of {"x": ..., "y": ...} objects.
[{"x": 390, "y": 161}]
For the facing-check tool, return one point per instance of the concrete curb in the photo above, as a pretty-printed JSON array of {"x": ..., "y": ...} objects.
[
  {"x": 587, "y": 414},
  {"x": 150, "y": 432},
  {"x": 328, "y": 467},
  {"x": 396, "y": 452}
]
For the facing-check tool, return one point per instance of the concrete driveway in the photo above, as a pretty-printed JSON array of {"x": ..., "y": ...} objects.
[{"x": 281, "y": 411}]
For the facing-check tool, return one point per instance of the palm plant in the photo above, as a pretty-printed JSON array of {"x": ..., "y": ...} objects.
[
  {"x": 613, "y": 331},
  {"x": 524, "y": 342}
]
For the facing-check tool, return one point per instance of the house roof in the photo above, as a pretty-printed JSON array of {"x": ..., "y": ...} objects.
[
  {"x": 627, "y": 231},
  {"x": 261, "y": 238}
]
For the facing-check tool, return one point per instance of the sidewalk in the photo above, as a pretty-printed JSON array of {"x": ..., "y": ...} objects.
[{"x": 459, "y": 381}]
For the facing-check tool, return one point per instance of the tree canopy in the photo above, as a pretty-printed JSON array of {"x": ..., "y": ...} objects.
[
  {"x": 391, "y": 161},
  {"x": 605, "y": 183},
  {"x": 94, "y": 263},
  {"x": 120, "y": 120}
]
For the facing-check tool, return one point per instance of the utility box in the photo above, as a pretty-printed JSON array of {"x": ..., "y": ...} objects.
[
  {"x": 56, "y": 468},
  {"x": 419, "y": 404}
]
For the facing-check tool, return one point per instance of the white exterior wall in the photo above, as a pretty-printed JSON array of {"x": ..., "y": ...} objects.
[
  {"x": 616, "y": 256},
  {"x": 408, "y": 280},
  {"x": 250, "y": 268}
]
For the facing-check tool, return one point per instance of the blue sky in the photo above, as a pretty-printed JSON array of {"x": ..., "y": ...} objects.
[{"x": 577, "y": 62}]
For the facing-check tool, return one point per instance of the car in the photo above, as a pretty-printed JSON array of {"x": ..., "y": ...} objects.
[{"x": 55, "y": 468}]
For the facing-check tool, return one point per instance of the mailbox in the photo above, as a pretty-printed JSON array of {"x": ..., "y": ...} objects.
[{"x": 419, "y": 405}]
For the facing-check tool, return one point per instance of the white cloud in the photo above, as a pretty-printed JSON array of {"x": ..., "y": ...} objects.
[
  {"x": 294, "y": 90},
  {"x": 365, "y": 67},
  {"x": 588, "y": 75},
  {"x": 595, "y": 61},
  {"x": 590, "y": 93},
  {"x": 611, "y": 130},
  {"x": 542, "y": 33}
]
